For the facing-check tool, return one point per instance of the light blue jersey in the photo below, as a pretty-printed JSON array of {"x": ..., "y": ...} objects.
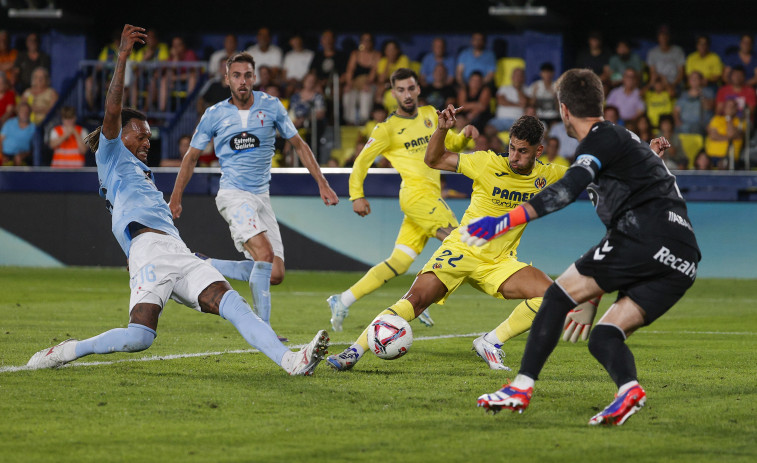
[
  {"x": 244, "y": 140},
  {"x": 128, "y": 187}
]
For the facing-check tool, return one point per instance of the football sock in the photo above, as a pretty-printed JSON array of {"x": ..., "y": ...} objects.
[
  {"x": 545, "y": 330},
  {"x": 347, "y": 298},
  {"x": 234, "y": 269},
  {"x": 133, "y": 338},
  {"x": 518, "y": 322},
  {"x": 607, "y": 345},
  {"x": 397, "y": 264},
  {"x": 622, "y": 389},
  {"x": 522, "y": 382},
  {"x": 403, "y": 308},
  {"x": 260, "y": 285},
  {"x": 255, "y": 331}
]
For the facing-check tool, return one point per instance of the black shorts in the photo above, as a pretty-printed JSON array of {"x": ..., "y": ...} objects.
[{"x": 653, "y": 270}]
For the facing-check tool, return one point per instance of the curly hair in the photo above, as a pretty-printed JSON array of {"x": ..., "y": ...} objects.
[
  {"x": 127, "y": 114},
  {"x": 529, "y": 129}
]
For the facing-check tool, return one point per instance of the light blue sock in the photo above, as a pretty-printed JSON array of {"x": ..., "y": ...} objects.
[
  {"x": 234, "y": 269},
  {"x": 257, "y": 333},
  {"x": 260, "y": 285},
  {"x": 134, "y": 338}
]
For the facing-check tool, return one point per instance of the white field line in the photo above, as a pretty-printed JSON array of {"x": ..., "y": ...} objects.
[{"x": 11, "y": 369}]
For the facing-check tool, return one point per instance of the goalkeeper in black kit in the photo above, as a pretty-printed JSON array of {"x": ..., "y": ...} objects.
[{"x": 649, "y": 253}]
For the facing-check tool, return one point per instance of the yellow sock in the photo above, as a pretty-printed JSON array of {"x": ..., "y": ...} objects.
[
  {"x": 396, "y": 264},
  {"x": 519, "y": 321},
  {"x": 403, "y": 308}
]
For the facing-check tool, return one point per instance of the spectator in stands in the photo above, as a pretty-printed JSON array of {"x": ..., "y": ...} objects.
[
  {"x": 666, "y": 59},
  {"x": 183, "y": 147},
  {"x": 568, "y": 144},
  {"x": 144, "y": 84},
  {"x": 178, "y": 81},
  {"x": 359, "y": 81},
  {"x": 266, "y": 53},
  {"x": 307, "y": 102},
  {"x": 542, "y": 95},
  {"x": 215, "y": 89},
  {"x": 694, "y": 107},
  {"x": 450, "y": 193},
  {"x": 475, "y": 98},
  {"x": 623, "y": 59},
  {"x": 745, "y": 58},
  {"x": 8, "y": 55},
  {"x": 67, "y": 141},
  {"x": 551, "y": 154},
  {"x": 595, "y": 57},
  {"x": 674, "y": 157},
  {"x": 392, "y": 59},
  {"x": 16, "y": 137},
  {"x": 627, "y": 97},
  {"x": 7, "y": 100},
  {"x": 702, "y": 161},
  {"x": 744, "y": 95},
  {"x": 708, "y": 63},
  {"x": 263, "y": 78},
  {"x": 439, "y": 92},
  {"x": 27, "y": 61},
  {"x": 476, "y": 58},
  {"x": 378, "y": 114},
  {"x": 725, "y": 134},
  {"x": 230, "y": 48},
  {"x": 437, "y": 56},
  {"x": 296, "y": 63},
  {"x": 611, "y": 114},
  {"x": 511, "y": 101},
  {"x": 659, "y": 100},
  {"x": 101, "y": 75},
  {"x": 328, "y": 61},
  {"x": 642, "y": 127},
  {"x": 40, "y": 96}
]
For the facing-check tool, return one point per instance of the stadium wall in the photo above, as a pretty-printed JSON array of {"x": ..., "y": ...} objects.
[{"x": 52, "y": 218}]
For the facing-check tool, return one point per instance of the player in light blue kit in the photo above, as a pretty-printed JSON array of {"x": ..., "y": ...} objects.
[
  {"x": 243, "y": 130},
  {"x": 160, "y": 265}
]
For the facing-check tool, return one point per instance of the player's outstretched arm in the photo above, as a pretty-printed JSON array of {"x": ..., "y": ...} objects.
[
  {"x": 186, "y": 170},
  {"x": 114, "y": 99},
  {"x": 437, "y": 155},
  {"x": 305, "y": 154}
]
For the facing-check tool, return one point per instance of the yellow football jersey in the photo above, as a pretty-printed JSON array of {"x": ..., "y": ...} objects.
[
  {"x": 402, "y": 140},
  {"x": 496, "y": 190}
]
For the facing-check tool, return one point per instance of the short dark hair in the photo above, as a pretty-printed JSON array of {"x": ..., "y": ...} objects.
[
  {"x": 580, "y": 90},
  {"x": 529, "y": 129},
  {"x": 547, "y": 66},
  {"x": 243, "y": 57},
  {"x": 403, "y": 73},
  {"x": 739, "y": 68}
]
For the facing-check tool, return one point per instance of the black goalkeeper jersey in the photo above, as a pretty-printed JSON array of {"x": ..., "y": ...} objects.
[{"x": 627, "y": 175}]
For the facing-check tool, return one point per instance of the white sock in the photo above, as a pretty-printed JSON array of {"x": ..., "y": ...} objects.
[
  {"x": 491, "y": 337},
  {"x": 347, "y": 298},
  {"x": 626, "y": 387},
  {"x": 359, "y": 349},
  {"x": 522, "y": 382},
  {"x": 69, "y": 351},
  {"x": 287, "y": 360}
]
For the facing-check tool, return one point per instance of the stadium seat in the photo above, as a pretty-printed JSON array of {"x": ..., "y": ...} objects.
[
  {"x": 505, "y": 137},
  {"x": 692, "y": 143},
  {"x": 505, "y": 66},
  {"x": 349, "y": 136}
]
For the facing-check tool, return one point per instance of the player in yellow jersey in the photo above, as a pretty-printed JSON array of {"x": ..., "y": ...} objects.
[
  {"x": 402, "y": 139},
  {"x": 500, "y": 183}
]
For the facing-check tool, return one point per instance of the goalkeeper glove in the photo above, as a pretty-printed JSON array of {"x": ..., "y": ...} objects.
[
  {"x": 579, "y": 320},
  {"x": 485, "y": 229}
]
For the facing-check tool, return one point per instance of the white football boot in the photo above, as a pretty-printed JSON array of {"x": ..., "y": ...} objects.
[
  {"x": 491, "y": 353},
  {"x": 339, "y": 311},
  {"x": 304, "y": 361},
  {"x": 52, "y": 357},
  {"x": 426, "y": 319},
  {"x": 344, "y": 361}
]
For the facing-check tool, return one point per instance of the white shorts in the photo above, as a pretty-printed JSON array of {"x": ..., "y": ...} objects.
[
  {"x": 249, "y": 215},
  {"x": 163, "y": 267}
]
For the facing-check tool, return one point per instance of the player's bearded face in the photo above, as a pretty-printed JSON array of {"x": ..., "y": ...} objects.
[
  {"x": 522, "y": 156},
  {"x": 406, "y": 93},
  {"x": 241, "y": 78}
]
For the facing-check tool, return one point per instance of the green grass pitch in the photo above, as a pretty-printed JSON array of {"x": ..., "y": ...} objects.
[{"x": 697, "y": 364}]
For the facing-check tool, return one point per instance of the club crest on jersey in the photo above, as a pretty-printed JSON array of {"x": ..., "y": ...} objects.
[
  {"x": 540, "y": 182},
  {"x": 261, "y": 118},
  {"x": 428, "y": 122},
  {"x": 436, "y": 266},
  {"x": 244, "y": 141}
]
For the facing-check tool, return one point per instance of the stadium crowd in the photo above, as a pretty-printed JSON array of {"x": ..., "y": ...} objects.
[{"x": 702, "y": 102}]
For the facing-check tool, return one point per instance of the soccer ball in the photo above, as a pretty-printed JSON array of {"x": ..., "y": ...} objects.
[{"x": 390, "y": 337}]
